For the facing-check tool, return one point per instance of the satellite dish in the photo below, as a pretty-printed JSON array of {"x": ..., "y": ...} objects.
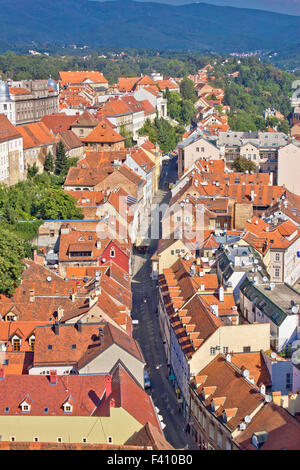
[
  {"x": 256, "y": 278},
  {"x": 296, "y": 357},
  {"x": 247, "y": 419},
  {"x": 265, "y": 279},
  {"x": 245, "y": 373},
  {"x": 295, "y": 309},
  {"x": 49, "y": 278},
  {"x": 268, "y": 398},
  {"x": 273, "y": 355}
]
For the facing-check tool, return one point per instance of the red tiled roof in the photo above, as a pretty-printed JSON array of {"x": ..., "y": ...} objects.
[
  {"x": 104, "y": 134},
  {"x": 57, "y": 122},
  {"x": 75, "y": 77},
  {"x": 18, "y": 91},
  {"x": 36, "y": 134},
  {"x": 7, "y": 130}
]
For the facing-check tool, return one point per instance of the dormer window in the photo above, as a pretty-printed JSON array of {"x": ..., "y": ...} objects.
[
  {"x": 68, "y": 407},
  {"x": 31, "y": 342},
  {"x": 25, "y": 407},
  {"x": 16, "y": 343},
  {"x": 112, "y": 253}
]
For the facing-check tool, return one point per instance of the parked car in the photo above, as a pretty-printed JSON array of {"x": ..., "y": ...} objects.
[{"x": 147, "y": 382}]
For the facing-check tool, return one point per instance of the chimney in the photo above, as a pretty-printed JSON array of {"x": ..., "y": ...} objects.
[
  {"x": 78, "y": 326},
  {"x": 2, "y": 373},
  {"x": 228, "y": 358},
  {"x": 60, "y": 313},
  {"x": 31, "y": 295},
  {"x": 112, "y": 403},
  {"x": 221, "y": 294},
  {"x": 53, "y": 377},
  {"x": 73, "y": 297},
  {"x": 252, "y": 195},
  {"x": 262, "y": 389},
  {"x": 107, "y": 385}
]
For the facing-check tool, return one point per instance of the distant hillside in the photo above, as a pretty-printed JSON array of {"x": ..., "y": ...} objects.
[{"x": 145, "y": 25}]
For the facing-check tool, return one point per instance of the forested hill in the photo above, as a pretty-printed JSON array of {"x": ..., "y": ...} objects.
[{"x": 131, "y": 24}]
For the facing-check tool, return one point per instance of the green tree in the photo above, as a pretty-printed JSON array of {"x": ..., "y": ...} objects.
[
  {"x": 283, "y": 126},
  {"x": 187, "y": 90},
  {"x": 32, "y": 171},
  {"x": 57, "y": 205},
  {"x": 60, "y": 158},
  {"x": 49, "y": 163},
  {"x": 242, "y": 164},
  {"x": 127, "y": 136},
  {"x": 12, "y": 253}
]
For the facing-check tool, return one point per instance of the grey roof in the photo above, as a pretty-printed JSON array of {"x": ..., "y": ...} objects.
[
  {"x": 259, "y": 139},
  {"x": 275, "y": 303},
  {"x": 193, "y": 138}
]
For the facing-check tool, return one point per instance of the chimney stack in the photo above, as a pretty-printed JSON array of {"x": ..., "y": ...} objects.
[
  {"x": 56, "y": 328},
  {"x": 221, "y": 294},
  {"x": 31, "y": 295},
  {"x": 108, "y": 385},
  {"x": 53, "y": 377},
  {"x": 60, "y": 313}
]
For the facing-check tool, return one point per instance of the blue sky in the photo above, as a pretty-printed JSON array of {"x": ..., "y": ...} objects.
[{"x": 290, "y": 7}]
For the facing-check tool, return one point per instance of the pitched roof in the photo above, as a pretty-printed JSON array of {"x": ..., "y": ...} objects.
[
  {"x": 255, "y": 364},
  {"x": 78, "y": 346},
  {"x": 7, "y": 130},
  {"x": 283, "y": 430},
  {"x": 70, "y": 140},
  {"x": 75, "y": 77},
  {"x": 87, "y": 177},
  {"x": 240, "y": 398},
  {"x": 36, "y": 134},
  {"x": 103, "y": 134},
  {"x": 57, "y": 122},
  {"x": 86, "y": 119},
  {"x": 149, "y": 436},
  {"x": 19, "y": 91}
]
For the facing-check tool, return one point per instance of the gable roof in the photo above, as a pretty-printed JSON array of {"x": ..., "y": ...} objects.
[
  {"x": 58, "y": 122},
  {"x": 8, "y": 131},
  {"x": 36, "y": 134},
  {"x": 75, "y": 77},
  {"x": 103, "y": 134}
]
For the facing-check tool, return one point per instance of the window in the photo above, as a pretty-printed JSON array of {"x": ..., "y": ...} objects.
[
  {"x": 202, "y": 149},
  {"x": 109, "y": 440},
  {"x": 84, "y": 440},
  {"x": 197, "y": 149},
  {"x": 7, "y": 409},
  {"x": 277, "y": 256},
  {"x": 50, "y": 346},
  {"x": 35, "y": 439},
  {"x": 112, "y": 253},
  {"x": 277, "y": 272},
  {"x": 212, "y": 351},
  {"x": 12, "y": 439},
  {"x": 288, "y": 381},
  {"x": 59, "y": 439},
  {"x": 31, "y": 344},
  {"x": 247, "y": 349},
  {"x": 225, "y": 350},
  {"x": 16, "y": 344}
]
